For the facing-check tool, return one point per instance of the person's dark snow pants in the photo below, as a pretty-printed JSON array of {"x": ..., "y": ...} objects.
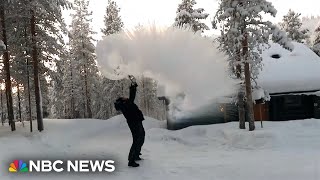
[
  {"x": 142, "y": 135},
  {"x": 138, "y": 135}
]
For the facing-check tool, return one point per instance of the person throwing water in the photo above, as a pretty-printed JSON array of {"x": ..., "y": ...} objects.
[{"x": 134, "y": 117}]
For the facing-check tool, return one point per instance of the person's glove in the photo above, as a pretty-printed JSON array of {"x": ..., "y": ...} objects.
[
  {"x": 133, "y": 81},
  {"x": 132, "y": 78},
  {"x": 134, "y": 84}
]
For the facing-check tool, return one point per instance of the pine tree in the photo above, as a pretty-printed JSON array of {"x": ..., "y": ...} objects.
[
  {"x": 83, "y": 59},
  {"x": 45, "y": 16},
  {"x": 291, "y": 24},
  {"x": 19, "y": 39},
  {"x": 56, "y": 90},
  {"x": 35, "y": 38},
  {"x": 110, "y": 89},
  {"x": 188, "y": 16},
  {"x": 243, "y": 36},
  {"x": 316, "y": 43},
  {"x": 6, "y": 61},
  {"x": 68, "y": 91},
  {"x": 112, "y": 19}
]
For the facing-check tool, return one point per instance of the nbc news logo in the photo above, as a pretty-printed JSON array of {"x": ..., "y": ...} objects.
[
  {"x": 59, "y": 166},
  {"x": 18, "y": 166}
]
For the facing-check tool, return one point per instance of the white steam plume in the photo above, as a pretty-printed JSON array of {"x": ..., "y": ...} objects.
[{"x": 179, "y": 59}]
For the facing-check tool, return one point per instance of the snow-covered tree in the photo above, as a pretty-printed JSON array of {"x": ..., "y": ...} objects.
[
  {"x": 147, "y": 98},
  {"x": 56, "y": 93},
  {"x": 110, "y": 89},
  {"x": 310, "y": 23},
  {"x": 83, "y": 60},
  {"x": 188, "y": 16},
  {"x": 291, "y": 24},
  {"x": 34, "y": 35},
  {"x": 244, "y": 34},
  {"x": 316, "y": 43},
  {"x": 68, "y": 92},
  {"x": 6, "y": 62},
  {"x": 112, "y": 19}
]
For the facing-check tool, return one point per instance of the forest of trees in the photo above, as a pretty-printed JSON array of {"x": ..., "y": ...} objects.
[{"x": 42, "y": 76}]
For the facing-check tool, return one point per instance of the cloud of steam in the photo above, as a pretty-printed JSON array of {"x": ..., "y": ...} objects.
[{"x": 179, "y": 59}]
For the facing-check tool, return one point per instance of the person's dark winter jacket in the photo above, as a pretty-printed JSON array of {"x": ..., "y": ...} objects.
[{"x": 127, "y": 106}]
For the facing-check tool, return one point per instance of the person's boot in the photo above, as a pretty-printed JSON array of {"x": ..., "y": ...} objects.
[
  {"x": 138, "y": 158},
  {"x": 133, "y": 164}
]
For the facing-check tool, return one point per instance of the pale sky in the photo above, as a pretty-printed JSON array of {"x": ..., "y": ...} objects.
[{"x": 162, "y": 12}]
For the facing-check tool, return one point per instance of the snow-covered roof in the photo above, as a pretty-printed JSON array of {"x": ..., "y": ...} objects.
[{"x": 294, "y": 71}]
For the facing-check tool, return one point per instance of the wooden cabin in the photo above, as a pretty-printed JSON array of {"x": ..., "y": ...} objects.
[
  {"x": 292, "y": 81},
  {"x": 289, "y": 86}
]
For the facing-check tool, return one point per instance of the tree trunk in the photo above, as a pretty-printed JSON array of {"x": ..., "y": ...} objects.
[
  {"x": 72, "y": 108},
  {"x": 29, "y": 97},
  {"x": 6, "y": 63},
  {"x": 84, "y": 103},
  {"x": 71, "y": 113},
  {"x": 249, "y": 102},
  {"x": 88, "y": 102},
  {"x": 241, "y": 107},
  {"x": 2, "y": 119},
  {"x": 36, "y": 73},
  {"x": 28, "y": 81},
  {"x": 19, "y": 102}
]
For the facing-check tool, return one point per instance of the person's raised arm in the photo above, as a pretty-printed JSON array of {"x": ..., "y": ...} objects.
[{"x": 133, "y": 91}]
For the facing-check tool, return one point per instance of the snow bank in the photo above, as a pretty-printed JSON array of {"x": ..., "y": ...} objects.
[
  {"x": 179, "y": 59},
  {"x": 218, "y": 136},
  {"x": 275, "y": 135},
  {"x": 293, "y": 71}
]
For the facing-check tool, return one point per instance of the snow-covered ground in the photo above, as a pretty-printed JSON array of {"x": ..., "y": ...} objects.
[{"x": 280, "y": 151}]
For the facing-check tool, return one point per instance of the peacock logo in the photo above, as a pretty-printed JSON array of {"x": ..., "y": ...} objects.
[{"x": 18, "y": 166}]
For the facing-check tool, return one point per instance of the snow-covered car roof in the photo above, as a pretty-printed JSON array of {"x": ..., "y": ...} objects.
[{"x": 286, "y": 71}]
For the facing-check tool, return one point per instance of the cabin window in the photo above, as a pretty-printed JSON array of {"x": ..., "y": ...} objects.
[{"x": 276, "y": 56}]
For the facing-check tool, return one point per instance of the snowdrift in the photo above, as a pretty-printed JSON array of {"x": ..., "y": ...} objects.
[{"x": 282, "y": 150}]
